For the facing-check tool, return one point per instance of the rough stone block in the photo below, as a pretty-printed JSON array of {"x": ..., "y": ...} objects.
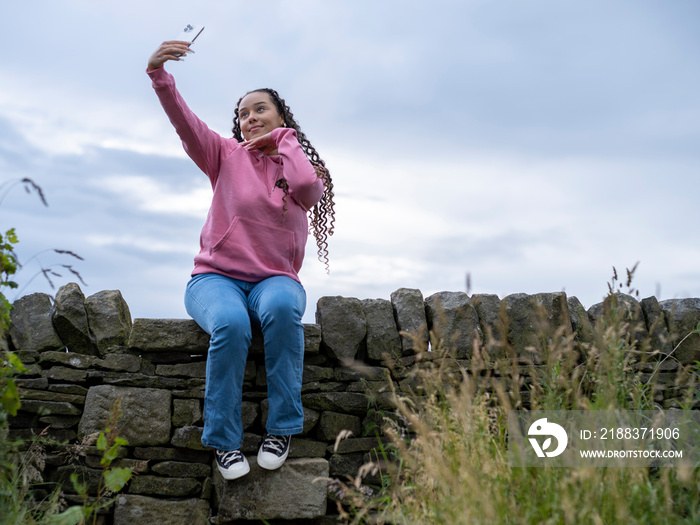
[
  {"x": 383, "y": 337},
  {"x": 197, "y": 369},
  {"x": 145, "y": 413},
  {"x": 161, "y": 486},
  {"x": 168, "y": 335},
  {"x": 409, "y": 313},
  {"x": 332, "y": 423},
  {"x": 109, "y": 319},
  {"x": 142, "y": 510},
  {"x": 454, "y": 320},
  {"x": 31, "y": 328},
  {"x": 580, "y": 321},
  {"x": 71, "y": 321},
  {"x": 120, "y": 363},
  {"x": 488, "y": 308},
  {"x": 70, "y": 359},
  {"x": 188, "y": 437},
  {"x": 659, "y": 337},
  {"x": 181, "y": 469},
  {"x": 683, "y": 316},
  {"x": 294, "y": 492},
  {"x": 343, "y": 326},
  {"x": 312, "y": 339},
  {"x": 533, "y": 320},
  {"x": 344, "y": 402},
  {"x": 186, "y": 412}
]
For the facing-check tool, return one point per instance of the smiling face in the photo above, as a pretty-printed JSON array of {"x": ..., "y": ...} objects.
[{"x": 258, "y": 115}]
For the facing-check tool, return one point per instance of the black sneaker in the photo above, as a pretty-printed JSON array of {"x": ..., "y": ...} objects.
[
  {"x": 273, "y": 451},
  {"x": 232, "y": 463}
]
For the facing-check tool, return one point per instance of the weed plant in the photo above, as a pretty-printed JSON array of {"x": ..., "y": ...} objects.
[{"x": 450, "y": 435}]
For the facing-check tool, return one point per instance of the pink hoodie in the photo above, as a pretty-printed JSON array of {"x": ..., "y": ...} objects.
[{"x": 246, "y": 236}]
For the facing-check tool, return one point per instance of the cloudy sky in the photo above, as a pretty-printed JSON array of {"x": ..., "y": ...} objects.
[{"x": 530, "y": 145}]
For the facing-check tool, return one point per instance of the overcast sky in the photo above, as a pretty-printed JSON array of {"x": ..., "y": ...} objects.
[{"x": 530, "y": 145}]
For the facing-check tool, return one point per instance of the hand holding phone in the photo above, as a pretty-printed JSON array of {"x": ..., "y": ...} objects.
[{"x": 175, "y": 49}]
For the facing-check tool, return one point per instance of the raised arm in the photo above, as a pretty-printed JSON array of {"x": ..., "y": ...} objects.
[{"x": 201, "y": 143}]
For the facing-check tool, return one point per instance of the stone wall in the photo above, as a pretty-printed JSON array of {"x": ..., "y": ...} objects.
[{"x": 85, "y": 354}]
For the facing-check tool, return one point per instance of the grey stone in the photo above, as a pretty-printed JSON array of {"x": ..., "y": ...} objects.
[
  {"x": 181, "y": 469},
  {"x": 161, "y": 486},
  {"x": 383, "y": 339},
  {"x": 188, "y": 437},
  {"x": 43, "y": 395},
  {"x": 454, "y": 321},
  {"x": 173, "y": 454},
  {"x": 330, "y": 424},
  {"x": 659, "y": 337},
  {"x": 533, "y": 320},
  {"x": 343, "y": 326},
  {"x": 354, "y": 445},
  {"x": 120, "y": 363},
  {"x": 312, "y": 339},
  {"x": 71, "y": 321},
  {"x": 409, "y": 313},
  {"x": 71, "y": 359},
  {"x": 356, "y": 371},
  {"x": 60, "y": 373},
  {"x": 145, "y": 413},
  {"x": 186, "y": 412},
  {"x": 307, "y": 448},
  {"x": 168, "y": 335},
  {"x": 197, "y": 369},
  {"x": 344, "y": 402},
  {"x": 68, "y": 389},
  {"x": 316, "y": 373},
  {"x": 580, "y": 321},
  {"x": 60, "y": 421},
  {"x": 45, "y": 408},
  {"x": 31, "y": 328},
  {"x": 249, "y": 413},
  {"x": 109, "y": 319},
  {"x": 41, "y": 382},
  {"x": 142, "y": 510},
  {"x": 488, "y": 308},
  {"x": 346, "y": 465},
  {"x": 683, "y": 316},
  {"x": 296, "y": 491}
]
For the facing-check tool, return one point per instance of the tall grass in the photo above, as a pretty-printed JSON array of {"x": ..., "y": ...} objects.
[{"x": 450, "y": 435}]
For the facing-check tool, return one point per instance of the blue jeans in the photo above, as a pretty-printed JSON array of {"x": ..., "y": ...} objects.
[{"x": 225, "y": 308}]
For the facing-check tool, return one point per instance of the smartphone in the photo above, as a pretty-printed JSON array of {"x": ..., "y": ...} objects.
[{"x": 190, "y": 33}]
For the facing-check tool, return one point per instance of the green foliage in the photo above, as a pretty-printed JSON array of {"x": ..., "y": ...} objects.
[
  {"x": 113, "y": 479},
  {"x": 451, "y": 438},
  {"x": 8, "y": 267}
]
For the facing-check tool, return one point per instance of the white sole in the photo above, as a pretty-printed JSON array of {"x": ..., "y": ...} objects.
[
  {"x": 271, "y": 465},
  {"x": 238, "y": 473}
]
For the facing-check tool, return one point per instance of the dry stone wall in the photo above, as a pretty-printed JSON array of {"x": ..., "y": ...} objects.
[{"x": 86, "y": 356}]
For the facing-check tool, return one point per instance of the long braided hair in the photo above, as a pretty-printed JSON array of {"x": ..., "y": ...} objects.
[{"x": 322, "y": 216}]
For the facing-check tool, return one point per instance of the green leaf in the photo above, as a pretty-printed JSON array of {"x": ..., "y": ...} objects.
[
  {"x": 15, "y": 362},
  {"x": 71, "y": 516},
  {"x": 116, "y": 478},
  {"x": 110, "y": 455},
  {"x": 79, "y": 487},
  {"x": 101, "y": 442},
  {"x": 10, "y": 399}
]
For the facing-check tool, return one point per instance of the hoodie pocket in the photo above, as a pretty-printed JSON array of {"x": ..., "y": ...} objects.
[{"x": 250, "y": 246}]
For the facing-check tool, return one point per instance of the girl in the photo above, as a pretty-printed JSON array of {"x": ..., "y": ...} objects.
[{"x": 266, "y": 179}]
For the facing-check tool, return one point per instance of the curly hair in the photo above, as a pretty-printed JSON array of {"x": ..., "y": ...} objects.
[{"x": 322, "y": 216}]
